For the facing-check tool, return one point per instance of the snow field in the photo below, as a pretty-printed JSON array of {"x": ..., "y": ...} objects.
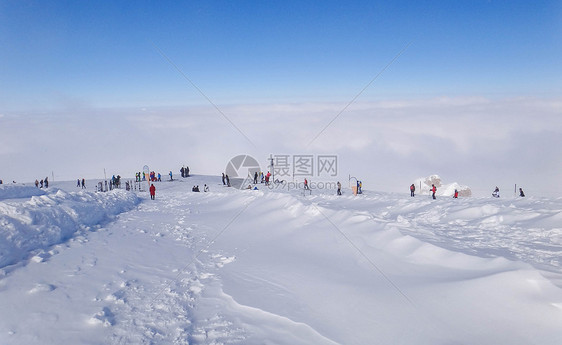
[{"x": 262, "y": 267}]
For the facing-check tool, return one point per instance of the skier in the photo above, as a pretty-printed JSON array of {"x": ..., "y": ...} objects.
[
  {"x": 412, "y": 190},
  {"x": 152, "y": 192},
  {"x": 339, "y": 188},
  {"x": 496, "y": 193},
  {"x": 456, "y": 194},
  {"x": 433, "y": 189},
  {"x": 521, "y": 194},
  {"x": 223, "y": 180}
]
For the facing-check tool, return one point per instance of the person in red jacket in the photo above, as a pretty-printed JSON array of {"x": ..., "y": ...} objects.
[
  {"x": 152, "y": 191},
  {"x": 433, "y": 189},
  {"x": 456, "y": 196}
]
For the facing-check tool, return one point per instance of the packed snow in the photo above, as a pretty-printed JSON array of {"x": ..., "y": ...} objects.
[{"x": 276, "y": 266}]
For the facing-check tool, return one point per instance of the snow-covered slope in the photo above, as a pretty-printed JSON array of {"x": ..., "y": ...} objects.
[
  {"x": 35, "y": 219},
  {"x": 272, "y": 267}
]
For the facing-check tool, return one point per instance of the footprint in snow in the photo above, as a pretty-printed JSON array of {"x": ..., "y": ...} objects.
[
  {"x": 105, "y": 318},
  {"x": 39, "y": 287}
]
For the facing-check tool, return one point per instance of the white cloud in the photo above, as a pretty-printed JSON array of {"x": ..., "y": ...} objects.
[{"x": 477, "y": 139}]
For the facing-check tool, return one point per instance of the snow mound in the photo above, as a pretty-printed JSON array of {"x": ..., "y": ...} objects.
[
  {"x": 442, "y": 189},
  {"x": 17, "y": 191},
  {"x": 52, "y": 218}
]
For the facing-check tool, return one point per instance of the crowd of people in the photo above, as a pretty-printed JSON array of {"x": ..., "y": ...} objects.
[
  {"x": 266, "y": 179},
  {"x": 83, "y": 184},
  {"x": 196, "y": 188},
  {"x": 115, "y": 182},
  {"x": 42, "y": 183},
  {"x": 184, "y": 171},
  {"x": 433, "y": 190}
]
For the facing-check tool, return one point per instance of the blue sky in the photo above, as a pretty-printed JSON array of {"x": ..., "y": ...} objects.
[{"x": 102, "y": 54}]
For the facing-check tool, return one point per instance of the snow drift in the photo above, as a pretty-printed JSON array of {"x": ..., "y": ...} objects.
[
  {"x": 423, "y": 186},
  {"x": 34, "y": 219}
]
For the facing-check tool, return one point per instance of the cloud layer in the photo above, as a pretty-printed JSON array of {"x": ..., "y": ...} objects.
[{"x": 480, "y": 142}]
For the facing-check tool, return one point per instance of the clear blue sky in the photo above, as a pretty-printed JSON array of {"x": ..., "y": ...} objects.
[{"x": 102, "y": 53}]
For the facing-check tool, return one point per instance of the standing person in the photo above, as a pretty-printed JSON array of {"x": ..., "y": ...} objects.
[
  {"x": 521, "y": 194},
  {"x": 412, "y": 190},
  {"x": 182, "y": 171},
  {"x": 36, "y": 183},
  {"x": 83, "y": 183},
  {"x": 227, "y": 181},
  {"x": 456, "y": 196},
  {"x": 186, "y": 171},
  {"x": 41, "y": 183},
  {"x": 78, "y": 183},
  {"x": 339, "y": 188},
  {"x": 223, "y": 180},
  {"x": 171, "y": 179},
  {"x": 159, "y": 177},
  {"x": 46, "y": 182},
  {"x": 433, "y": 190},
  {"x": 152, "y": 191},
  {"x": 256, "y": 177},
  {"x": 306, "y": 185}
]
